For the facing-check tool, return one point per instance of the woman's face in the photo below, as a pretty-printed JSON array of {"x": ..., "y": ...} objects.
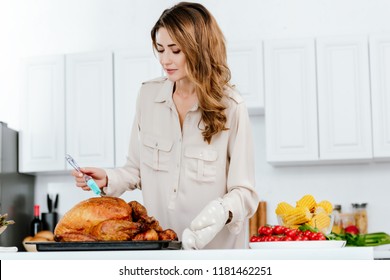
[{"x": 171, "y": 57}]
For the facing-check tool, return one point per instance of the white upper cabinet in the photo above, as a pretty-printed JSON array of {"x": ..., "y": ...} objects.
[
  {"x": 131, "y": 69},
  {"x": 344, "y": 98},
  {"x": 318, "y": 103},
  {"x": 67, "y": 107},
  {"x": 42, "y": 134},
  {"x": 245, "y": 60},
  {"x": 90, "y": 108},
  {"x": 291, "y": 102},
  {"x": 380, "y": 93}
]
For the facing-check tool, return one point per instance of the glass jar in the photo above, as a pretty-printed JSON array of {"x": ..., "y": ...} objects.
[
  {"x": 360, "y": 215},
  {"x": 337, "y": 224},
  {"x": 346, "y": 220}
]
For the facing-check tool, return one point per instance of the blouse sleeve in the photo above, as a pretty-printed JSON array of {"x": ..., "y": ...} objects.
[{"x": 241, "y": 198}]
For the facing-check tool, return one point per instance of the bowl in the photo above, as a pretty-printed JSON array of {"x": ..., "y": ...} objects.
[
  {"x": 30, "y": 247},
  {"x": 41, "y": 236},
  {"x": 324, "y": 225}
]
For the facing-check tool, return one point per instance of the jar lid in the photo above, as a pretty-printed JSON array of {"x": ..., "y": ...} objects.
[
  {"x": 337, "y": 207},
  {"x": 359, "y": 205}
]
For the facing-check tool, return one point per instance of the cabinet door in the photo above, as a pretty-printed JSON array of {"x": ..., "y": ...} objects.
[
  {"x": 245, "y": 61},
  {"x": 89, "y": 108},
  {"x": 344, "y": 98},
  {"x": 291, "y": 104},
  {"x": 42, "y": 133},
  {"x": 131, "y": 69},
  {"x": 380, "y": 87}
]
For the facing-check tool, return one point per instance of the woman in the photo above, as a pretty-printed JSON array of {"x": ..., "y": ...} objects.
[{"x": 191, "y": 149}]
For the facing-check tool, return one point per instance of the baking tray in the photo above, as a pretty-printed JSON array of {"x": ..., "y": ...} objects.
[{"x": 106, "y": 245}]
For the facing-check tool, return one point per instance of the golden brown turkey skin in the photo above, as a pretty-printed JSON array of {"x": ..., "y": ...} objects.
[
  {"x": 79, "y": 222},
  {"x": 139, "y": 211},
  {"x": 116, "y": 230},
  {"x": 150, "y": 235},
  {"x": 167, "y": 234},
  {"x": 74, "y": 236},
  {"x": 109, "y": 219}
]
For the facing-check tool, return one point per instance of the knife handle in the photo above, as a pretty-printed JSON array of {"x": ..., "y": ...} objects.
[
  {"x": 56, "y": 203},
  {"x": 49, "y": 203}
]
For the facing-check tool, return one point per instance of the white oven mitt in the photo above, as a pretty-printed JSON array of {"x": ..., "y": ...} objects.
[{"x": 205, "y": 226}]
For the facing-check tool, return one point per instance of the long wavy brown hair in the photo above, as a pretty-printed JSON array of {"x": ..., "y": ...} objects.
[{"x": 196, "y": 32}]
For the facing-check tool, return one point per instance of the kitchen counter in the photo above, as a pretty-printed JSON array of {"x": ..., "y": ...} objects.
[{"x": 346, "y": 253}]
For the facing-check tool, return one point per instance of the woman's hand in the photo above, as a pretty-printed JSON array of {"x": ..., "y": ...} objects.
[
  {"x": 205, "y": 226},
  {"x": 97, "y": 174}
]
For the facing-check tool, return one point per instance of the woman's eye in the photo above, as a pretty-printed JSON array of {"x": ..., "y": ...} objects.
[
  {"x": 176, "y": 51},
  {"x": 160, "y": 50}
]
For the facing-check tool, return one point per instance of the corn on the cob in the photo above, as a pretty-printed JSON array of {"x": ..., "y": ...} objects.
[
  {"x": 319, "y": 210},
  {"x": 283, "y": 208},
  {"x": 307, "y": 201},
  {"x": 320, "y": 221},
  {"x": 296, "y": 216},
  {"x": 326, "y": 205},
  {"x": 307, "y": 211},
  {"x": 294, "y": 226}
]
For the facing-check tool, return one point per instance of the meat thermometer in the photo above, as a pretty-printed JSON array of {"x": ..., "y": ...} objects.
[{"x": 88, "y": 179}]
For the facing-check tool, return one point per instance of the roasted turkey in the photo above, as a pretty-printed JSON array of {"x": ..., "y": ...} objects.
[{"x": 109, "y": 219}]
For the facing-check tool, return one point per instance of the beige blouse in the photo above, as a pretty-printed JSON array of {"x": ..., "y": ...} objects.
[{"x": 179, "y": 173}]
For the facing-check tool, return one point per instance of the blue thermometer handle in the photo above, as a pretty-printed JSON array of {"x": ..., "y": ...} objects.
[{"x": 92, "y": 184}]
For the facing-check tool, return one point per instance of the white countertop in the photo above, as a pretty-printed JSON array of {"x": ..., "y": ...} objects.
[
  {"x": 382, "y": 252},
  {"x": 346, "y": 253}
]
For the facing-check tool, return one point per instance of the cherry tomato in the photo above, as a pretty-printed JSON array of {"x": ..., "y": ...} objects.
[
  {"x": 320, "y": 236},
  {"x": 298, "y": 238},
  {"x": 254, "y": 238},
  {"x": 311, "y": 235},
  {"x": 317, "y": 236},
  {"x": 352, "y": 229},
  {"x": 278, "y": 237},
  {"x": 278, "y": 230},
  {"x": 272, "y": 238},
  {"x": 291, "y": 233},
  {"x": 287, "y": 238},
  {"x": 305, "y": 238},
  {"x": 265, "y": 230}
]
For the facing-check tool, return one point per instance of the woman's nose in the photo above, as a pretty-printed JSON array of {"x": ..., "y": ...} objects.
[{"x": 165, "y": 58}]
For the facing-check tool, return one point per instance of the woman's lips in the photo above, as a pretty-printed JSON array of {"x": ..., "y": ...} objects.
[{"x": 170, "y": 71}]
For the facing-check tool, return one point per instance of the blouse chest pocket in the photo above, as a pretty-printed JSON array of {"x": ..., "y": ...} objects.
[
  {"x": 201, "y": 164},
  {"x": 156, "y": 152}
]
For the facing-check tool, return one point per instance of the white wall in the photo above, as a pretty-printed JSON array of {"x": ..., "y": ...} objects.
[{"x": 42, "y": 27}]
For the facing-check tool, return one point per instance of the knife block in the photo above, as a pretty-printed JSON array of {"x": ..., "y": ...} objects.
[{"x": 49, "y": 221}]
